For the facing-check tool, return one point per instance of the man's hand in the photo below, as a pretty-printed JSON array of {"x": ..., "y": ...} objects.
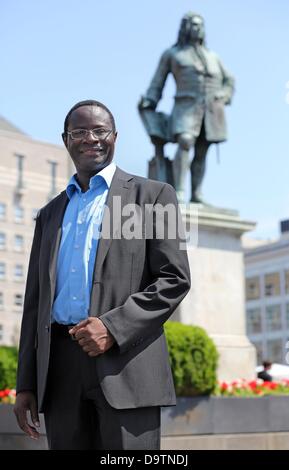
[
  {"x": 92, "y": 336},
  {"x": 26, "y": 401}
]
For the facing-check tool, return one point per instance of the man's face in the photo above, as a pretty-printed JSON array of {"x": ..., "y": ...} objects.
[
  {"x": 90, "y": 153},
  {"x": 197, "y": 28}
]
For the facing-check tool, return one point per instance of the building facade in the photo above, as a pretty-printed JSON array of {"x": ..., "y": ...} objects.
[
  {"x": 31, "y": 173},
  {"x": 267, "y": 297}
]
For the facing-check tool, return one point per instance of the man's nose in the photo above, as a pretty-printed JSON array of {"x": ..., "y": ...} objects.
[{"x": 90, "y": 137}]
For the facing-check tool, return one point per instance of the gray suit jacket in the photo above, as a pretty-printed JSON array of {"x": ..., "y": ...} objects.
[{"x": 137, "y": 284}]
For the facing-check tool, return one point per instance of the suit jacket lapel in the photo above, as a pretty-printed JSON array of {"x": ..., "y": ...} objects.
[
  {"x": 56, "y": 223},
  {"x": 118, "y": 196}
]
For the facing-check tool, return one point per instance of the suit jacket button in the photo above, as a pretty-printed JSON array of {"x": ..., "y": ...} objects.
[{"x": 47, "y": 328}]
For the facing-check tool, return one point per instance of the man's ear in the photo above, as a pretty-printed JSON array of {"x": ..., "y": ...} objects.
[{"x": 64, "y": 138}]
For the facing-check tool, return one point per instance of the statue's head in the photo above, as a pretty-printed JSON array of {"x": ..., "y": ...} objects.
[{"x": 192, "y": 29}]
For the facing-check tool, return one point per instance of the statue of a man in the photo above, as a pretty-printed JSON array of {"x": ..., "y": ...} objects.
[{"x": 203, "y": 88}]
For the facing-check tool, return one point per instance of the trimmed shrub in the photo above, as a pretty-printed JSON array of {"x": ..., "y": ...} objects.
[
  {"x": 8, "y": 366},
  {"x": 193, "y": 358}
]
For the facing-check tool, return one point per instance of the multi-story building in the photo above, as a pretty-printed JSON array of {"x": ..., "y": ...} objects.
[
  {"x": 31, "y": 173},
  {"x": 267, "y": 297}
]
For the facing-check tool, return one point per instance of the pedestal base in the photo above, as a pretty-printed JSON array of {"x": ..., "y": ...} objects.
[{"x": 216, "y": 300}]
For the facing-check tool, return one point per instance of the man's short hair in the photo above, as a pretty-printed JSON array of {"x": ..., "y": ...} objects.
[{"x": 88, "y": 103}]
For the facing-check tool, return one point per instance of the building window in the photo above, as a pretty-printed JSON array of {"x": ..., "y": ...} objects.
[
  {"x": 18, "y": 214},
  {"x": 287, "y": 316},
  {"x": 1, "y": 332},
  {"x": 1, "y": 301},
  {"x": 252, "y": 288},
  {"x": 272, "y": 284},
  {"x": 259, "y": 349},
  {"x": 53, "y": 191},
  {"x": 287, "y": 282},
  {"x": 2, "y": 241},
  {"x": 18, "y": 243},
  {"x": 20, "y": 159},
  {"x": 254, "y": 322},
  {"x": 18, "y": 300},
  {"x": 2, "y": 211},
  {"x": 275, "y": 350},
  {"x": 18, "y": 272},
  {"x": 2, "y": 270},
  {"x": 273, "y": 318}
]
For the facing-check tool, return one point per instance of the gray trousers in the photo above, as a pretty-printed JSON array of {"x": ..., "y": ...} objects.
[{"x": 77, "y": 415}]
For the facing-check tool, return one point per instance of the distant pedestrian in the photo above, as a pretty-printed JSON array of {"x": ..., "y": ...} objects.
[{"x": 264, "y": 375}]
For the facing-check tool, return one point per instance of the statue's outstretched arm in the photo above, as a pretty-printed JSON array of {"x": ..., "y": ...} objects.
[{"x": 154, "y": 92}]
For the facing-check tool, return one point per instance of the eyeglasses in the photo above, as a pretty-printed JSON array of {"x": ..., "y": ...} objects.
[{"x": 98, "y": 133}]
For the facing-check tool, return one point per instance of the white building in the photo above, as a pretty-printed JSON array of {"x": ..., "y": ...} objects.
[
  {"x": 267, "y": 296},
  {"x": 31, "y": 173}
]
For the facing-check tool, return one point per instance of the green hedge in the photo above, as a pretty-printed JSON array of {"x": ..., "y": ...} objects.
[
  {"x": 8, "y": 366},
  {"x": 193, "y": 358}
]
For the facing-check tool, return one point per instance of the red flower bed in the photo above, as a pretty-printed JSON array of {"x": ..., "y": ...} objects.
[
  {"x": 7, "y": 396},
  {"x": 253, "y": 388}
]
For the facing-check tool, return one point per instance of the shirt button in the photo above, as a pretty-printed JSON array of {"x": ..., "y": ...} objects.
[
  {"x": 73, "y": 270},
  {"x": 76, "y": 246},
  {"x": 74, "y": 298}
]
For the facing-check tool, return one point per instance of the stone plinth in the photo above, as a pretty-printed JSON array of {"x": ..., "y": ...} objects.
[{"x": 216, "y": 300}]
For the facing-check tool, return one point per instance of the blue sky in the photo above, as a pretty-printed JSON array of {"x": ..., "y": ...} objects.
[{"x": 55, "y": 53}]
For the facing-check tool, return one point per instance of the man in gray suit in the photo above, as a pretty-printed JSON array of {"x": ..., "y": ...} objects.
[{"x": 93, "y": 355}]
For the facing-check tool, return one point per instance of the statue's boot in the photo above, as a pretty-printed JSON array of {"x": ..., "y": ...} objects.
[{"x": 180, "y": 168}]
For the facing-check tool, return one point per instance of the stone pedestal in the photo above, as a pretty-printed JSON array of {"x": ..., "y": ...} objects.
[{"x": 216, "y": 300}]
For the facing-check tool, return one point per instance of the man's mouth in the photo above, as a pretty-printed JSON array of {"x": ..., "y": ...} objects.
[{"x": 92, "y": 150}]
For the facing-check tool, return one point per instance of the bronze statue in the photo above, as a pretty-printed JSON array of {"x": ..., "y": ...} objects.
[{"x": 203, "y": 88}]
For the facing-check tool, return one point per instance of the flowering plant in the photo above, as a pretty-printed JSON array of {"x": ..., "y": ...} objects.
[
  {"x": 253, "y": 388},
  {"x": 7, "y": 396}
]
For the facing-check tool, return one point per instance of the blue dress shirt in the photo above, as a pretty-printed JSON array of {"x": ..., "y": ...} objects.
[{"x": 78, "y": 247}]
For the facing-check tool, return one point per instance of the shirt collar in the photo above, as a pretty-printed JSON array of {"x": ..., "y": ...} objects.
[{"x": 106, "y": 174}]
